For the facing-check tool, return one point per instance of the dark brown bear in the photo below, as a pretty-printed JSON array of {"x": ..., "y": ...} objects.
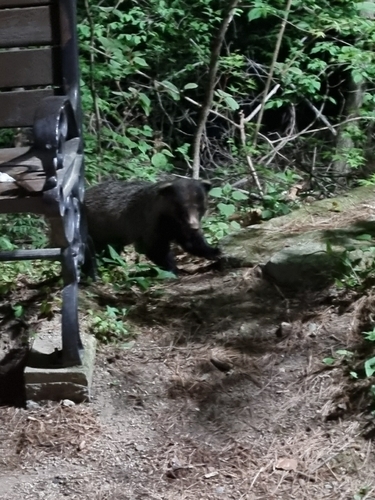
[{"x": 151, "y": 216}]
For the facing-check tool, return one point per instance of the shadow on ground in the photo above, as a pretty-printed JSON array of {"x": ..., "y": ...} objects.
[{"x": 214, "y": 400}]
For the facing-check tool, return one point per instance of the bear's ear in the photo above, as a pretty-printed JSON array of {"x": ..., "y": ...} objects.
[
  {"x": 166, "y": 189},
  {"x": 206, "y": 185}
]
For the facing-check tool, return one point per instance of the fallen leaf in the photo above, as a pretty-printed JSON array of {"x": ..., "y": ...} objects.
[
  {"x": 221, "y": 365},
  {"x": 287, "y": 464},
  {"x": 81, "y": 445},
  {"x": 211, "y": 474}
]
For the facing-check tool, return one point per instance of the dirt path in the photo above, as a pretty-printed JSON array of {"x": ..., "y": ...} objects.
[{"x": 212, "y": 402}]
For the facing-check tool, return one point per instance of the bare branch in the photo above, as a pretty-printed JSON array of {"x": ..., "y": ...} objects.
[
  {"x": 248, "y": 158},
  {"x": 320, "y": 116},
  {"x": 210, "y": 89},
  {"x": 212, "y": 111},
  {"x": 272, "y": 69},
  {"x": 259, "y": 107},
  {"x": 92, "y": 81},
  {"x": 267, "y": 159}
]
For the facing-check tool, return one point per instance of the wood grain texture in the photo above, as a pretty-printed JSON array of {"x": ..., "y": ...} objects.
[
  {"x": 26, "y": 27},
  {"x": 24, "y": 3},
  {"x": 26, "y": 68},
  {"x": 17, "y": 109}
]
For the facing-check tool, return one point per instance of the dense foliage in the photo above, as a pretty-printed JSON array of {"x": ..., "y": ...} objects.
[
  {"x": 292, "y": 102},
  {"x": 145, "y": 71},
  {"x": 292, "y": 108}
]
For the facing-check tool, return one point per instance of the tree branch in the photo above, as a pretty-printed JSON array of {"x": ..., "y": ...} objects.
[
  {"x": 272, "y": 69},
  {"x": 92, "y": 80},
  {"x": 210, "y": 89},
  {"x": 248, "y": 157}
]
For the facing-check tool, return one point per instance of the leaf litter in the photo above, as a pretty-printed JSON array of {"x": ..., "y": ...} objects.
[{"x": 213, "y": 401}]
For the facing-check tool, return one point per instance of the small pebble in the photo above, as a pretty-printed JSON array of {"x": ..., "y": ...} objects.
[
  {"x": 32, "y": 405},
  {"x": 67, "y": 402}
]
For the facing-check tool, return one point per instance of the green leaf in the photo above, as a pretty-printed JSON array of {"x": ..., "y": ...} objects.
[
  {"x": 145, "y": 103},
  {"x": 228, "y": 99},
  {"x": 216, "y": 192},
  {"x": 5, "y": 244},
  {"x": 231, "y": 103},
  {"x": 239, "y": 196},
  {"x": 255, "y": 13},
  {"x": 274, "y": 103},
  {"x": 112, "y": 252},
  {"x": 344, "y": 352},
  {"x": 226, "y": 209},
  {"x": 267, "y": 214},
  {"x": 189, "y": 86},
  {"x": 357, "y": 77},
  {"x": 140, "y": 62},
  {"x": 328, "y": 361},
  {"x": 234, "y": 225},
  {"x": 170, "y": 86},
  {"x": 370, "y": 367},
  {"x": 18, "y": 310},
  {"x": 364, "y": 237},
  {"x": 159, "y": 160},
  {"x": 370, "y": 335},
  {"x": 166, "y": 152},
  {"x": 365, "y": 7},
  {"x": 122, "y": 94}
]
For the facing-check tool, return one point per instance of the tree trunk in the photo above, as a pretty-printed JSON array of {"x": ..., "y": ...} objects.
[{"x": 344, "y": 142}]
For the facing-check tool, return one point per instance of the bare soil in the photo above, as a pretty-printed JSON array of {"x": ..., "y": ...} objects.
[{"x": 215, "y": 400}]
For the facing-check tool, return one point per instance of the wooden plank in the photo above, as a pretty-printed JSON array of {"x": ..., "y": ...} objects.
[
  {"x": 22, "y": 165},
  {"x": 25, "y": 168},
  {"x": 8, "y": 190},
  {"x": 23, "y": 3},
  {"x": 17, "y": 109},
  {"x": 25, "y": 27},
  {"x": 25, "y": 68},
  {"x": 32, "y": 185},
  {"x": 12, "y": 155},
  {"x": 22, "y": 187},
  {"x": 17, "y": 205}
]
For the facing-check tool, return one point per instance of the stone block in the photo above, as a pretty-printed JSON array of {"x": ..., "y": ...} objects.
[{"x": 55, "y": 384}]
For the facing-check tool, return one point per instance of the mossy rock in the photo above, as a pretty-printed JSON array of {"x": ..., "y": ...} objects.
[{"x": 307, "y": 247}]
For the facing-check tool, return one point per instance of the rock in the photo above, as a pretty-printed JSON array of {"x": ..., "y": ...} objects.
[
  {"x": 304, "y": 266},
  {"x": 32, "y": 405},
  {"x": 221, "y": 364},
  {"x": 307, "y": 248},
  {"x": 284, "y": 329},
  {"x": 67, "y": 402},
  {"x": 57, "y": 384}
]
